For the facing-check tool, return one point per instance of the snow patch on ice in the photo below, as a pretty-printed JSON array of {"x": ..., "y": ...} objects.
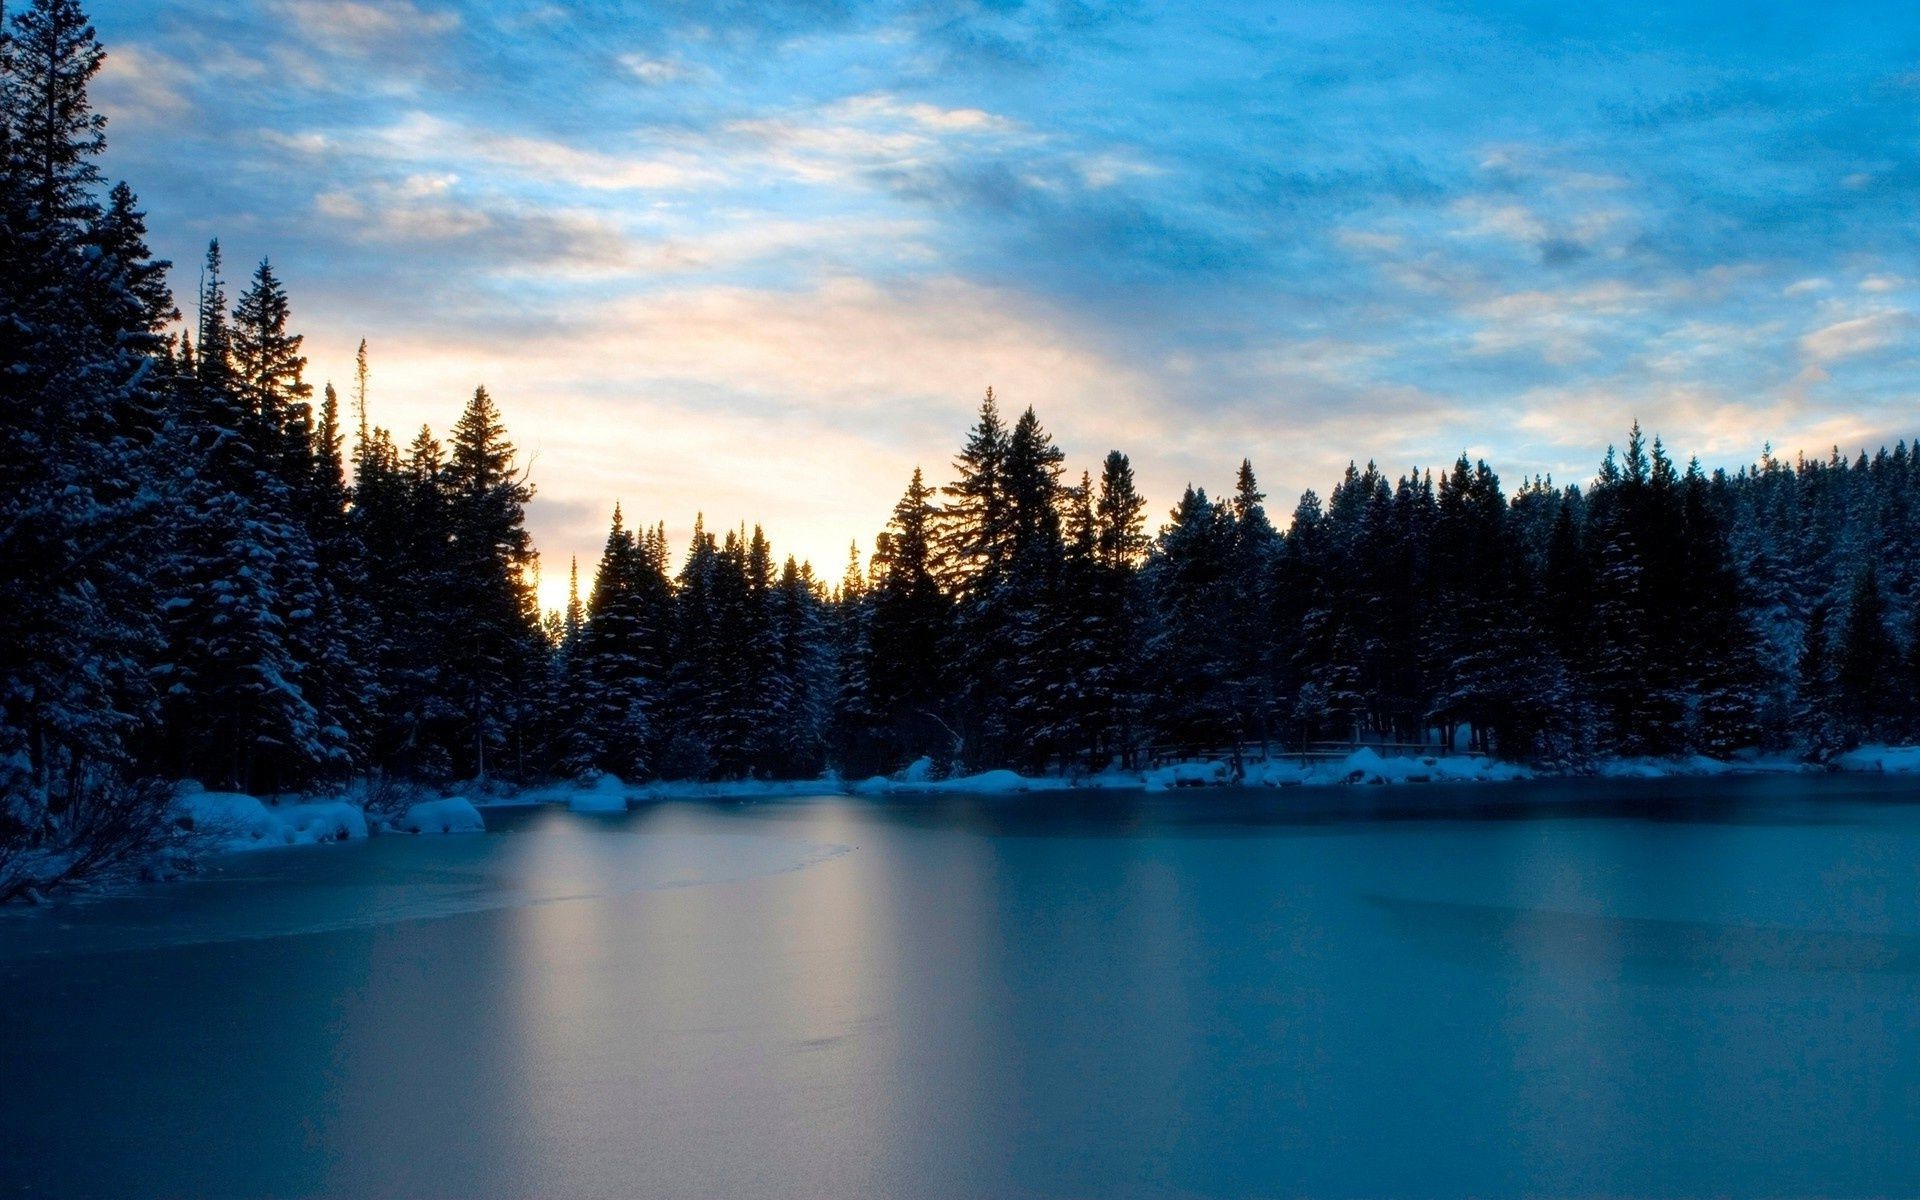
[{"x": 1892, "y": 760}]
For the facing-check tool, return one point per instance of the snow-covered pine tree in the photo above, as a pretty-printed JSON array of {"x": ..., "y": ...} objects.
[
  {"x": 490, "y": 560},
  {"x": 1188, "y": 647},
  {"x": 695, "y": 662},
  {"x": 244, "y": 593},
  {"x": 615, "y": 692},
  {"x": 1112, "y": 688},
  {"x": 1865, "y": 673},
  {"x": 1251, "y": 634},
  {"x": 854, "y": 746},
  {"x": 82, "y": 518},
  {"x": 1032, "y": 681},
  {"x": 908, "y": 634},
  {"x": 803, "y": 660}
]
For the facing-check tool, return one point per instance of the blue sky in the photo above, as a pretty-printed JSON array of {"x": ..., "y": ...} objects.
[{"x": 761, "y": 258}]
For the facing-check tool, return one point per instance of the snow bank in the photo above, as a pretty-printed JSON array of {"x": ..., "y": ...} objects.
[
  {"x": 745, "y": 789},
  {"x": 1689, "y": 766},
  {"x": 986, "y": 781},
  {"x": 920, "y": 770},
  {"x": 1363, "y": 766},
  {"x": 607, "y": 794},
  {"x": 236, "y": 822},
  {"x": 1894, "y": 760},
  {"x": 989, "y": 783},
  {"x": 454, "y": 814},
  {"x": 1368, "y": 766},
  {"x": 1187, "y": 774}
]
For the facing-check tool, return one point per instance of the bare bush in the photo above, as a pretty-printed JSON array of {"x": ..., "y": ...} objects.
[{"x": 115, "y": 831}]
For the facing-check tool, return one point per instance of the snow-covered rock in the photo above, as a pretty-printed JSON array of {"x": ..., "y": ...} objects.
[
  {"x": 454, "y": 814},
  {"x": 231, "y": 821},
  {"x": 608, "y": 794},
  {"x": 325, "y": 821},
  {"x": 920, "y": 770}
]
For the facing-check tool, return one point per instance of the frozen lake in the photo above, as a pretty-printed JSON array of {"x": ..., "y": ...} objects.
[{"x": 1681, "y": 987}]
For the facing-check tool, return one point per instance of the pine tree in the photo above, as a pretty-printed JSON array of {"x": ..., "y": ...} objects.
[
  {"x": 81, "y": 526},
  {"x": 1028, "y": 683},
  {"x": 1188, "y": 648},
  {"x": 490, "y": 559},
  {"x": 1815, "y": 710},
  {"x": 616, "y": 691},
  {"x": 1864, "y": 665},
  {"x": 852, "y": 736},
  {"x": 909, "y": 627},
  {"x": 1251, "y": 643},
  {"x": 804, "y": 661},
  {"x": 1716, "y": 631},
  {"x": 1112, "y": 679}
]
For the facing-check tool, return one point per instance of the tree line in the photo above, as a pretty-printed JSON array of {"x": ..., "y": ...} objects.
[
  {"x": 206, "y": 571},
  {"x": 1021, "y": 618}
]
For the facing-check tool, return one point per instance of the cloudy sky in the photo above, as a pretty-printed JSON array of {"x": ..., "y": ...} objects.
[{"x": 761, "y": 257}]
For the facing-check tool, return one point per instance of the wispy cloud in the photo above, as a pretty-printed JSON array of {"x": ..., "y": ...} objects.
[{"x": 365, "y": 24}]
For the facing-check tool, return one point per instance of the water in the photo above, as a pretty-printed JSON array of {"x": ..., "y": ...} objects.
[{"x": 1597, "y": 988}]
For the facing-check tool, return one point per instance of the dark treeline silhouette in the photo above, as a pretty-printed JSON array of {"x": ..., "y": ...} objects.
[
  {"x": 205, "y": 574},
  {"x": 1026, "y": 621}
]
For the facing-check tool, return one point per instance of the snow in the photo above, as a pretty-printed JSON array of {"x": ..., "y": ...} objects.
[
  {"x": 1187, "y": 774},
  {"x": 1893, "y": 760},
  {"x": 1369, "y": 766},
  {"x": 232, "y": 821},
  {"x": 920, "y": 770},
  {"x": 1364, "y": 766},
  {"x": 986, "y": 783},
  {"x": 1694, "y": 765},
  {"x": 453, "y": 814},
  {"x": 607, "y": 794}
]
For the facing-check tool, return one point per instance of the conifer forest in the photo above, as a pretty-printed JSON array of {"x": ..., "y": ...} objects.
[{"x": 214, "y": 566}]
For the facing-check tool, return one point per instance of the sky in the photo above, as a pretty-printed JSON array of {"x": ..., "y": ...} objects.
[{"x": 761, "y": 258}]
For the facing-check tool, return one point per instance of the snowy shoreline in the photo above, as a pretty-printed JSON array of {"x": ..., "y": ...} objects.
[
  {"x": 1361, "y": 768},
  {"x": 230, "y": 822},
  {"x": 233, "y": 822}
]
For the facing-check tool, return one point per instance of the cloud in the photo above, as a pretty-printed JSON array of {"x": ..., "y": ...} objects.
[
  {"x": 859, "y": 139},
  {"x": 421, "y": 137},
  {"x": 363, "y": 24},
  {"x": 659, "y": 72},
  {"x": 429, "y": 213},
  {"x": 141, "y": 86},
  {"x": 1856, "y": 336}
]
